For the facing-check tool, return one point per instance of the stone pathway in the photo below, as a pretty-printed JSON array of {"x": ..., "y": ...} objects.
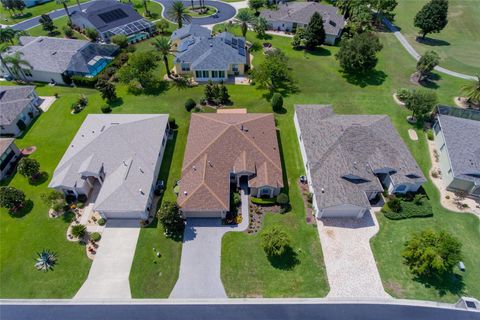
[
  {"x": 109, "y": 274},
  {"x": 201, "y": 257},
  {"x": 351, "y": 268}
]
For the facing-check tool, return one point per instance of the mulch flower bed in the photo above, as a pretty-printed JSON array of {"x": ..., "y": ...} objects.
[
  {"x": 310, "y": 218},
  {"x": 257, "y": 214}
]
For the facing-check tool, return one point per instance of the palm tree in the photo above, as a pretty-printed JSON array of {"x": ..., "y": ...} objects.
[
  {"x": 179, "y": 14},
  {"x": 243, "y": 18},
  {"x": 193, "y": 7},
  {"x": 472, "y": 91},
  {"x": 145, "y": 2},
  {"x": 45, "y": 260},
  {"x": 164, "y": 47},
  {"x": 65, "y": 6},
  {"x": 2, "y": 60},
  {"x": 7, "y": 35},
  {"x": 17, "y": 64},
  {"x": 79, "y": 6}
]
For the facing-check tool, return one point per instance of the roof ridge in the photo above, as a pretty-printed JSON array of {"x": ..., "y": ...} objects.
[{"x": 215, "y": 195}]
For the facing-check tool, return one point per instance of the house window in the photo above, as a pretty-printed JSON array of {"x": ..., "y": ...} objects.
[
  {"x": 450, "y": 170},
  {"x": 185, "y": 67},
  {"x": 198, "y": 74},
  {"x": 235, "y": 67},
  {"x": 436, "y": 128},
  {"x": 205, "y": 74},
  {"x": 401, "y": 188},
  {"x": 221, "y": 74},
  {"x": 264, "y": 192},
  {"x": 27, "y": 72},
  {"x": 442, "y": 147},
  {"x": 214, "y": 74}
]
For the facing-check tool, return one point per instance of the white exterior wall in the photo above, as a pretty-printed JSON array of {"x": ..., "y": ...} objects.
[
  {"x": 444, "y": 159},
  {"x": 45, "y": 76},
  {"x": 13, "y": 129},
  {"x": 303, "y": 152}
]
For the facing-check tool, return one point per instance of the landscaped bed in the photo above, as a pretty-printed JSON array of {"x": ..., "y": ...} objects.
[{"x": 407, "y": 207}]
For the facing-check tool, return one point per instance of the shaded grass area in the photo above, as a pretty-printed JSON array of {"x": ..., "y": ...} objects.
[{"x": 458, "y": 44}]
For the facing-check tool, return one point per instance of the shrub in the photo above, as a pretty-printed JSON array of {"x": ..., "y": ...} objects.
[
  {"x": 282, "y": 199},
  {"x": 237, "y": 200},
  {"x": 80, "y": 205},
  {"x": 430, "y": 134},
  {"x": 275, "y": 241},
  {"x": 106, "y": 108},
  {"x": 172, "y": 122},
  {"x": 84, "y": 81},
  {"x": 190, "y": 104},
  {"x": 28, "y": 167},
  {"x": 101, "y": 222},
  {"x": 263, "y": 202},
  {"x": 79, "y": 230},
  {"x": 95, "y": 236},
  {"x": 91, "y": 34},
  {"x": 54, "y": 199},
  {"x": 277, "y": 102},
  {"x": 417, "y": 207},
  {"x": 68, "y": 31},
  {"x": 170, "y": 217},
  {"x": 403, "y": 94},
  {"x": 82, "y": 198},
  {"x": 11, "y": 198},
  {"x": 120, "y": 40},
  {"x": 431, "y": 253},
  {"x": 395, "y": 205}
]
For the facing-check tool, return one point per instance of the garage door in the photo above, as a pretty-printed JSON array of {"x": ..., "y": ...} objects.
[
  {"x": 203, "y": 214},
  {"x": 122, "y": 215},
  {"x": 343, "y": 211}
]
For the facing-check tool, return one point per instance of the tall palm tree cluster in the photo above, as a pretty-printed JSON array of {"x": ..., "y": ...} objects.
[
  {"x": 15, "y": 7},
  {"x": 472, "y": 91}
]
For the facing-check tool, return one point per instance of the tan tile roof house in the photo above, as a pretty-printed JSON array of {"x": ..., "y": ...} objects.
[{"x": 225, "y": 148}]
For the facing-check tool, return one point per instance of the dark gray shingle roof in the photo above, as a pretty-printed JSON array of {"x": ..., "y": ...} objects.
[
  {"x": 212, "y": 53},
  {"x": 341, "y": 146},
  {"x": 13, "y": 100},
  {"x": 190, "y": 30},
  {"x": 301, "y": 12},
  {"x": 462, "y": 138}
]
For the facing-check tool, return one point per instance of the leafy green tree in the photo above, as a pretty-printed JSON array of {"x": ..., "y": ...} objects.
[
  {"x": 427, "y": 63},
  {"x": 139, "y": 69},
  {"x": 256, "y": 4},
  {"x": 164, "y": 48},
  {"x": 384, "y": 8},
  {"x": 120, "y": 40},
  {"x": 107, "y": 90},
  {"x": 170, "y": 217},
  {"x": 433, "y": 17},
  {"x": 277, "y": 102},
  {"x": 28, "y": 167},
  {"x": 360, "y": 19},
  {"x": 208, "y": 91},
  {"x": 224, "y": 97},
  {"x": 275, "y": 241},
  {"x": 395, "y": 205},
  {"x": 244, "y": 18},
  {"x": 260, "y": 26},
  {"x": 54, "y": 199},
  {"x": 64, "y": 3},
  {"x": 431, "y": 253},
  {"x": 11, "y": 198},
  {"x": 179, "y": 13},
  {"x": 314, "y": 33},
  {"x": 358, "y": 55},
  {"x": 91, "y": 34},
  {"x": 190, "y": 104},
  {"x": 19, "y": 5},
  {"x": 472, "y": 91},
  {"x": 421, "y": 102},
  {"x": 47, "y": 24},
  {"x": 273, "y": 73},
  {"x": 162, "y": 25}
]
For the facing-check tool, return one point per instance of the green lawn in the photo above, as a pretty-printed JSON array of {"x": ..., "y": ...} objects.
[
  {"x": 458, "y": 44},
  {"x": 210, "y": 10},
  {"x": 34, "y": 11}
]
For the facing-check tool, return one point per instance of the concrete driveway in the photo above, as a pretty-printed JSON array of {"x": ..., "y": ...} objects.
[
  {"x": 201, "y": 256},
  {"x": 108, "y": 276},
  {"x": 351, "y": 268}
]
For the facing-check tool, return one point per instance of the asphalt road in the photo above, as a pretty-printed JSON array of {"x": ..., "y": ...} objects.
[
  {"x": 225, "y": 12},
  {"x": 324, "y": 311}
]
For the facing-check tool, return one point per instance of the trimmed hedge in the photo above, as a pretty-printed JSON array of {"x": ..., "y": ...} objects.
[
  {"x": 264, "y": 202},
  {"x": 414, "y": 208}
]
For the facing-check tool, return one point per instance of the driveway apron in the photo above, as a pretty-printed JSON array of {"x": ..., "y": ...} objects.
[{"x": 108, "y": 276}]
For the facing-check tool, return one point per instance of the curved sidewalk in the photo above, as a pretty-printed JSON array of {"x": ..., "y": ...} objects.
[{"x": 417, "y": 56}]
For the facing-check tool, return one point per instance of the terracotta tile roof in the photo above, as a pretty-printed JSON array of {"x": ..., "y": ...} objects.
[{"x": 221, "y": 143}]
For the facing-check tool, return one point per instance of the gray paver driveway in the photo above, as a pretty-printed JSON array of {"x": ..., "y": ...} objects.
[{"x": 201, "y": 254}]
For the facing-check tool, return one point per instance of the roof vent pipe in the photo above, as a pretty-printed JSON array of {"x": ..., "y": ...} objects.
[{"x": 323, "y": 190}]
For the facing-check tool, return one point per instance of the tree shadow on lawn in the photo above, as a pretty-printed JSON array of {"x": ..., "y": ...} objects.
[
  {"x": 318, "y": 52},
  {"x": 450, "y": 283},
  {"x": 429, "y": 81},
  {"x": 432, "y": 42},
  {"x": 40, "y": 179},
  {"x": 157, "y": 87},
  {"x": 286, "y": 261},
  {"x": 372, "y": 78},
  {"x": 116, "y": 103}
]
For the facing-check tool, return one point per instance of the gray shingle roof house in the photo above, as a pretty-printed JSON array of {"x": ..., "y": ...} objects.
[
  {"x": 291, "y": 15},
  {"x": 350, "y": 158},
  {"x": 110, "y": 17},
  {"x": 120, "y": 157},
  {"x": 9, "y": 153},
  {"x": 18, "y": 108},
  {"x": 190, "y": 30},
  {"x": 212, "y": 58},
  {"x": 50, "y": 58},
  {"x": 457, "y": 138}
]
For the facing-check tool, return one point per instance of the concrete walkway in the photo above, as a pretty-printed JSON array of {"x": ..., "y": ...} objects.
[
  {"x": 108, "y": 276},
  {"x": 416, "y": 55},
  {"x": 351, "y": 269},
  {"x": 201, "y": 256}
]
